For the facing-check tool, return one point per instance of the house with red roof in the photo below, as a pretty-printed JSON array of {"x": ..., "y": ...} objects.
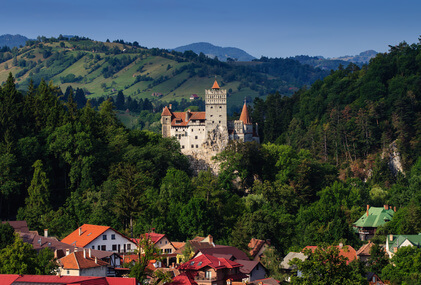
[
  {"x": 346, "y": 251},
  {"x": 257, "y": 247},
  {"x": 82, "y": 263},
  {"x": 101, "y": 238},
  {"x": 9, "y": 279},
  {"x": 161, "y": 242},
  {"x": 210, "y": 270}
]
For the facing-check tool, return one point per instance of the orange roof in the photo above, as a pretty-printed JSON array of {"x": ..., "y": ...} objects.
[
  {"x": 179, "y": 118},
  {"x": 88, "y": 233},
  {"x": 166, "y": 112},
  {"x": 215, "y": 85},
  {"x": 75, "y": 260},
  {"x": 178, "y": 244},
  {"x": 345, "y": 251},
  {"x": 245, "y": 115},
  {"x": 365, "y": 249}
]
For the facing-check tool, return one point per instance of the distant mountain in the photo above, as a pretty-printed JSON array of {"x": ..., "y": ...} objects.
[
  {"x": 223, "y": 53},
  {"x": 12, "y": 40},
  {"x": 363, "y": 57}
]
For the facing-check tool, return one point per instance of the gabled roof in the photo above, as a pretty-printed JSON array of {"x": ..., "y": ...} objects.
[
  {"x": 76, "y": 260},
  {"x": 179, "y": 118},
  {"x": 178, "y": 244},
  {"x": 244, "y": 117},
  {"x": 265, "y": 281},
  {"x": 204, "y": 260},
  {"x": 290, "y": 256},
  {"x": 255, "y": 245},
  {"x": 365, "y": 249},
  {"x": 224, "y": 249},
  {"x": 154, "y": 237},
  {"x": 183, "y": 279},
  {"x": 54, "y": 279},
  {"x": 215, "y": 85},
  {"x": 377, "y": 216},
  {"x": 88, "y": 233},
  {"x": 398, "y": 240},
  {"x": 248, "y": 265},
  {"x": 18, "y": 226},
  {"x": 345, "y": 251}
]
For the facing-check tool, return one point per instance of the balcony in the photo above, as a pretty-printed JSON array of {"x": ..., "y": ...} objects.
[{"x": 203, "y": 278}]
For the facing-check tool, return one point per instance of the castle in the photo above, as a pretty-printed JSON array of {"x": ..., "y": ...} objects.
[{"x": 197, "y": 130}]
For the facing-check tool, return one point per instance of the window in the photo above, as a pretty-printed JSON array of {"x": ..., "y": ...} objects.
[
  {"x": 93, "y": 247},
  {"x": 208, "y": 274},
  {"x": 195, "y": 137},
  {"x": 99, "y": 247},
  {"x": 113, "y": 236},
  {"x": 103, "y": 247},
  {"x": 129, "y": 247},
  {"x": 219, "y": 121},
  {"x": 197, "y": 146},
  {"x": 192, "y": 146},
  {"x": 182, "y": 146},
  {"x": 68, "y": 272},
  {"x": 104, "y": 237},
  {"x": 168, "y": 250},
  {"x": 114, "y": 247}
]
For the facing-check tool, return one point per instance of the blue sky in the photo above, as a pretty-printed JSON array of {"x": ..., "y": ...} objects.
[{"x": 273, "y": 28}]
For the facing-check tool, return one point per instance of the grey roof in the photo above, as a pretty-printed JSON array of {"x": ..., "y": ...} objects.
[{"x": 290, "y": 256}]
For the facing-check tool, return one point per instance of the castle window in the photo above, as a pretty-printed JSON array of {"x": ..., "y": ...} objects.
[
  {"x": 197, "y": 146},
  {"x": 195, "y": 137},
  {"x": 182, "y": 146},
  {"x": 220, "y": 107},
  {"x": 219, "y": 121},
  {"x": 192, "y": 146}
]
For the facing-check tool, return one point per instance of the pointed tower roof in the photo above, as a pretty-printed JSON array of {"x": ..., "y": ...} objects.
[
  {"x": 166, "y": 112},
  {"x": 215, "y": 85},
  {"x": 245, "y": 115}
]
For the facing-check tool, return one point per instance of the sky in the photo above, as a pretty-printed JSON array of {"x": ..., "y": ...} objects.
[{"x": 272, "y": 28}]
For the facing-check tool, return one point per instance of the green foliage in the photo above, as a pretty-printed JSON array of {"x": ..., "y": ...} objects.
[
  {"x": 326, "y": 266},
  {"x": 404, "y": 267},
  {"x": 6, "y": 235},
  {"x": 148, "y": 252}
]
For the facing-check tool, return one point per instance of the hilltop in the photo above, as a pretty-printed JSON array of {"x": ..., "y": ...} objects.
[
  {"x": 12, "y": 40},
  {"x": 212, "y": 51},
  {"x": 105, "y": 68}
]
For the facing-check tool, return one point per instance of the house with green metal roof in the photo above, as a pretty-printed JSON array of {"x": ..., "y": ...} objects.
[
  {"x": 373, "y": 218},
  {"x": 394, "y": 242}
]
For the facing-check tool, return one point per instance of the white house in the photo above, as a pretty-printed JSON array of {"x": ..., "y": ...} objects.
[{"x": 100, "y": 238}]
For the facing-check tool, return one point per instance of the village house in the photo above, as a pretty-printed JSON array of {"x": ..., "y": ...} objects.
[
  {"x": 101, "y": 238},
  {"x": 257, "y": 247},
  {"x": 82, "y": 263},
  {"x": 346, "y": 251},
  {"x": 210, "y": 270},
  {"x": 394, "y": 242},
  {"x": 373, "y": 218},
  {"x": 164, "y": 245}
]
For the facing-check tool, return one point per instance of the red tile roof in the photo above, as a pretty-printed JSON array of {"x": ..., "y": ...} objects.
[
  {"x": 224, "y": 249},
  {"x": 183, "y": 279},
  {"x": 53, "y": 279},
  {"x": 345, "y": 251},
  {"x": 255, "y": 245},
  {"x": 365, "y": 249},
  {"x": 244, "y": 117},
  {"x": 76, "y": 260},
  {"x": 208, "y": 260},
  {"x": 179, "y": 118},
  {"x": 154, "y": 237},
  {"x": 178, "y": 244},
  {"x": 215, "y": 85}
]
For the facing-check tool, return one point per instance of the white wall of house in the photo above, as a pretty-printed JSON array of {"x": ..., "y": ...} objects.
[
  {"x": 110, "y": 240},
  {"x": 100, "y": 271}
]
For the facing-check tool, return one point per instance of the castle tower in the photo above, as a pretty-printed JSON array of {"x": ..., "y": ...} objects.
[
  {"x": 166, "y": 117},
  {"x": 216, "y": 107}
]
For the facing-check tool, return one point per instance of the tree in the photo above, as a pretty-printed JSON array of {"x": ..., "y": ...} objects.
[
  {"x": 272, "y": 261},
  {"x": 326, "y": 266},
  {"x": 38, "y": 201},
  {"x": 147, "y": 252},
  {"x": 378, "y": 259},
  {"x": 404, "y": 267},
  {"x": 6, "y": 235},
  {"x": 18, "y": 258}
]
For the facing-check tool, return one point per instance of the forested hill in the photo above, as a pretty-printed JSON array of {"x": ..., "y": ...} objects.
[
  {"x": 105, "y": 68},
  {"x": 353, "y": 115}
]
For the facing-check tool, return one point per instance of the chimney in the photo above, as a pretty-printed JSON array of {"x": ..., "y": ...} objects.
[
  {"x": 80, "y": 231},
  {"x": 394, "y": 209},
  {"x": 341, "y": 245},
  {"x": 187, "y": 115},
  {"x": 76, "y": 249},
  {"x": 391, "y": 237},
  {"x": 90, "y": 252},
  {"x": 46, "y": 233},
  {"x": 84, "y": 253},
  {"x": 96, "y": 260},
  {"x": 170, "y": 106},
  {"x": 67, "y": 251},
  {"x": 368, "y": 207},
  {"x": 395, "y": 249},
  {"x": 55, "y": 254},
  {"x": 386, "y": 207}
]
